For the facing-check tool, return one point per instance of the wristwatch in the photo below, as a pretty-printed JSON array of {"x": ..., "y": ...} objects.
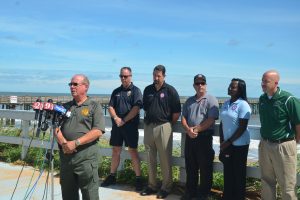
[{"x": 77, "y": 143}]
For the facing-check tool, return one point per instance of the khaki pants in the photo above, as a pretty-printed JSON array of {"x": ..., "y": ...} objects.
[
  {"x": 159, "y": 138},
  {"x": 278, "y": 163}
]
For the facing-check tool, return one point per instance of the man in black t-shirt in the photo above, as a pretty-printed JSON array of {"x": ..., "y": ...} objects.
[{"x": 162, "y": 109}]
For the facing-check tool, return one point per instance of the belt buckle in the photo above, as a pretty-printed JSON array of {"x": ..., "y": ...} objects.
[
  {"x": 273, "y": 141},
  {"x": 279, "y": 141}
]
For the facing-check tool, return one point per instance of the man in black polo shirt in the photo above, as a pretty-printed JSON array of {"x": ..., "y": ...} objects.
[
  {"x": 124, "y": 107},
  {"x": 162, "y": 108}
]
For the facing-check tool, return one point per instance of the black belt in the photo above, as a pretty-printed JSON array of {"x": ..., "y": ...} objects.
[
  {"x": 279, "y": 141},
  {"x": 157, "y": 123},
  {"x": 206, "y": 133}
]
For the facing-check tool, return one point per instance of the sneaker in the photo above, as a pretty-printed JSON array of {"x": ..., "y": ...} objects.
[
  {"x": 138, "y": 184},
  {"x": 110, "y": 180},
  {"x": 162, "y": 194}
]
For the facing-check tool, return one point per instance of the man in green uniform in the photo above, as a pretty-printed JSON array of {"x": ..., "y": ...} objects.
[
  {"x": 77, "y": 139},
  {"x": 280, "y": 130}
]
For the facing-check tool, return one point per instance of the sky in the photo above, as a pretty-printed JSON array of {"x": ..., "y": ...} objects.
[{"x": 44, "y": 43}]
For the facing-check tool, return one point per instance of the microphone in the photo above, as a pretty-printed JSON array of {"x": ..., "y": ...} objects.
[
  {"x": 40, "y": 120},
  {"x": 37, "y": 106},
  {"x": 60, "y": 114},
  {"x": 60, "y": 109},
  {"x": 48, "y": 108}
]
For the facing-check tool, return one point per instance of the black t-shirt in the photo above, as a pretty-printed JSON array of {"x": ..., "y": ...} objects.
[
  {"x": 123, "y": 99},
  {"x": 160, "y": 105}
]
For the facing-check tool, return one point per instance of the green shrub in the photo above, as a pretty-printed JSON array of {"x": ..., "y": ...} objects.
[
  {"x": 10, "y": 152},
  {"x": 35, "y": 156}
]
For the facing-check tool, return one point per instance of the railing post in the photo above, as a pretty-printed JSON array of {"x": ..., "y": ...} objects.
[
  {"x": 25, "y": 135},
  {"x": 182, "y": 172}
]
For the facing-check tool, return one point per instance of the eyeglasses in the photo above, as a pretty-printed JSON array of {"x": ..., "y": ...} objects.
[
  {"x": 200, "y": 83},
  {"x": 74, "y": 84},
  {"x": 124, "y": 76}
]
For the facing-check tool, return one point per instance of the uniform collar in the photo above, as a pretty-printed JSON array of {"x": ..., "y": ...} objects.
[
  {"x": 276, "y": 94},
  {"x": 199, "y": 99},
  {"x": 236, "y": 101},
  {"x": 86, "y": 102},
  {"x": 129, "y": 88},
  {"x": 163, "y": 86}
]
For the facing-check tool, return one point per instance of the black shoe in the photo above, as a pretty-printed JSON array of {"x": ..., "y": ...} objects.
[
  {"x": 148, "y": 191},
  {"x": 138, "y": 184},
  {"x": 203, "y": 197},
  {"x": 188, "y": 197},
  {"x": 162, "y": 194},
  {"x": 110, "y": 180}
]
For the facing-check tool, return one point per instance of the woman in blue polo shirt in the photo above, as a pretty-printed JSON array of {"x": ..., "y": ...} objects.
[{"x": 234, "y": 140}]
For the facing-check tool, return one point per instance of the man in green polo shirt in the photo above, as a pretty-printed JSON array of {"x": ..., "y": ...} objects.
[
  {"x": 280, "y": 130},
  {"x": 77, "y": 139}
]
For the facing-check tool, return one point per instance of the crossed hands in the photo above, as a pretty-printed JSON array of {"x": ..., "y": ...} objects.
[
  {"x": 120, "y": 122},
  {"x": 224, "y": 145},
  {"x": 191, "y": 132},
  {"x": 69, "y": 147}
]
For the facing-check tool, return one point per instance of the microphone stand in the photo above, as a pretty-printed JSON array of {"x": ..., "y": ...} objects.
[{"x": 55, "y": 124}]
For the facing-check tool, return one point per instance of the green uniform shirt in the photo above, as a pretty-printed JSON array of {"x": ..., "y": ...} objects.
[
  {"x": 83, "y": 118},
  {"x": 279, "y": 115}
]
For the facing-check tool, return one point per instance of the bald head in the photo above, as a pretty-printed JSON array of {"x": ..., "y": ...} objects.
[
  {"x": 84, "y": 79},
  {"x": 270, "y": 82},
  {"x": 273, "y": 74}
]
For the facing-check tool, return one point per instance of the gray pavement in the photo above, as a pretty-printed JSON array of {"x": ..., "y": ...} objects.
[{"x": 9, "y": 175}]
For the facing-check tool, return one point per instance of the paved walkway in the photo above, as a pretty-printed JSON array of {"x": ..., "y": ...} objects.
[{"x": 9, "y": 175}]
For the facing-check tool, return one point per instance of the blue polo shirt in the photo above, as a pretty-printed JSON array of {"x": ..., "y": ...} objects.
[{"x": 230, "y": 115}]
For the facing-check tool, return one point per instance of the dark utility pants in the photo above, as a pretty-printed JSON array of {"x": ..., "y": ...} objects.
[
  {"x": 199, "y": 155},
  {"x": 234, "y": 159},
  {"x": 80, "y": 171}
]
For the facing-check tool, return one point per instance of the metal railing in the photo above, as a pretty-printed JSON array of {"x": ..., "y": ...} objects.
[{"x": 27, "y": 116}]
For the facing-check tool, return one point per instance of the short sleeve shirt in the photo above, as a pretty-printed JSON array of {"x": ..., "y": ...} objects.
[
  {"x": 160, "y": 105},
  {"x": 230, "y": 115},
  {"x": 196, "y": 110},
  {"x": 279, "y": 115},
  {"x": 123, "y": 99},
  {"x": 84, "y": 118}
]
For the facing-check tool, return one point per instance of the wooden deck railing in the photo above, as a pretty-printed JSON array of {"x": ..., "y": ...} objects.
[{"x": 27, "y": 116}]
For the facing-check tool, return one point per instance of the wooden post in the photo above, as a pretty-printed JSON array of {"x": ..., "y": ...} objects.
[
  {"x": 182, "y": 172},
  {"x": 25, "y": 135}
]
